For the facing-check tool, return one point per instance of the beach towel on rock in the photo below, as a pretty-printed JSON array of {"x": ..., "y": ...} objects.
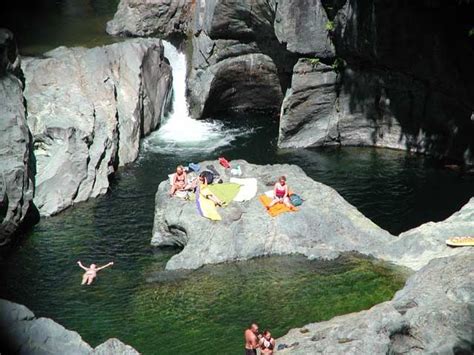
[
  {"x": 225, "y": 192},
  {"x": 277, "y": 209},
  {"x": 206, "y": 207},
  {"x": 248, "y": 188}
]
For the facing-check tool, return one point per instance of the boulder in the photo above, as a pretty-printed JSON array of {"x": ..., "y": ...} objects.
[
  {"x": 416, "y": 247},
  {"x": 114, "y": 346},
  {"x": 304, "y": 28},
  {"x": 399, "y": 82},
  {"x": 308, "y": 116},
  {"x": 17, "y": 165},
  {"x": 87, "y": 110},
  {"x": 325, "y": 226},
  {"x": 222, "y": 88},
  {"x": 165, "y": 19},
  {"x": 21, "y": 332},
  {"x": 236, "y": 61},
  {"x": 431, "y": 314}
]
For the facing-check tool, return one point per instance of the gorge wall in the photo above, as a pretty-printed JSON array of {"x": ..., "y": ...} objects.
[
  {"x": 340, "y": 72},
  {"x": 69, "y": 119},
  {"x": 87, "y": 110},
  {"x": 17, "y": 164}
]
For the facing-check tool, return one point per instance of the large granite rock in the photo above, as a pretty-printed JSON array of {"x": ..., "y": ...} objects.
[
  {"x": 167, "y": 19},
  {"x": 432, "y": 314},
  {"x": 304, "y": 28},
  {"x": 236, "y": 61},
  {"x": 404, "y": 78},
  {"x": 308, "y": 116},
  {"x": 325, "y": 226},
  {"x": 16, "y": 159},
  {"x": 87, "y": 110},
  {"x": 22, "y": 333},
  {"x": 400, "y": 82},
  {"x": 114, "y": 346}
]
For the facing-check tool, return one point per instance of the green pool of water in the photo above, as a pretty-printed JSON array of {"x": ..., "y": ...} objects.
[{"x": 206, "y": 310}]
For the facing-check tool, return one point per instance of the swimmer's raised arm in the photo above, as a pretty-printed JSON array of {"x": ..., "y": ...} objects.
[
  {"x": 82, "y": 266},
  {"x": 103, "y": 267}
]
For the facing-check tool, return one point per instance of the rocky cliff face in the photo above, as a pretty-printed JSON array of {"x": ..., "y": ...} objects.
[
  {"x": 432, "y": 314},
  {"x": 22, "y": 333},
  {"x": 17, "y": 165},
  {"x": 352, "y": 72},
  {"x": 398, "y": 81},
  {"x": 167, "y": 19},
  {"x": 87, "y": 110},
  {"x": 325, "y": 227}
]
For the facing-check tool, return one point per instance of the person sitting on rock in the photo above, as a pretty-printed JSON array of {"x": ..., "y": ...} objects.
[
  {"x": 91, "y": 272},
  {"x": 179, "y": 180},
  {"x": 266, "y": 343},
  {"x": 203, "y": 182},
  {"x": 281, "y": 194}
]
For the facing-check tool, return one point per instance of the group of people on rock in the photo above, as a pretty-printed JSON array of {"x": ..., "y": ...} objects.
[
  {"x": 255, "y": 341},
  {"x": 180, "y": 183},
  {"x": 281, "y": 192}
]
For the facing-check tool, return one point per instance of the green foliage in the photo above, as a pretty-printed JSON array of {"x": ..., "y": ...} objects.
[
  {"x": 313, "y": 61},
  {"x": 338, "y": 64},
  {"x": 330, "y": 26},
  {"x": 471, "y": 32}
]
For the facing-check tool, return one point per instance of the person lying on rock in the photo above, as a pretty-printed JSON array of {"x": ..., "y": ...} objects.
[
  {"x": 91, "y": 272},
  {"x": 266, "y": 343},
  {"x": 281, "y": 194},
  {"x": 203, "y": 182},
  {"x": 179, "y": 181}
]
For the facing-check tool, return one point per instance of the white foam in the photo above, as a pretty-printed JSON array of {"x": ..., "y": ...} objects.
[{"x": 179, "y": 131}]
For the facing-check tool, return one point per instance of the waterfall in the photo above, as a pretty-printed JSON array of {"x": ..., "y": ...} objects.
[{"x": 178, "y": 130}]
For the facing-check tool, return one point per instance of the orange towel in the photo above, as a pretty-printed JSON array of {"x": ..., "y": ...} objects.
[{"x": 277, "y": 209}]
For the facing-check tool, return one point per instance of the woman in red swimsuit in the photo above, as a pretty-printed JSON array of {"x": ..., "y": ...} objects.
[{"x": 280, "y": 193}]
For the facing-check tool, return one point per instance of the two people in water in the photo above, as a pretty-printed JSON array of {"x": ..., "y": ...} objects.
[
  {"x": 254, "y": 340},
  {"x": 91, "y": 272}
]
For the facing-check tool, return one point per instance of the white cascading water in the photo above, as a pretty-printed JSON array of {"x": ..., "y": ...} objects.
[{"x": 179, "y": 131}]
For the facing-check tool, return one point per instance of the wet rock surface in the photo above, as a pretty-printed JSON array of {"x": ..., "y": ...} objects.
[{"x": 87, "y": 110}]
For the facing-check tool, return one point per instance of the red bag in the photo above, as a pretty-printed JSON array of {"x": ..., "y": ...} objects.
[{"x": 224, "y": 162}]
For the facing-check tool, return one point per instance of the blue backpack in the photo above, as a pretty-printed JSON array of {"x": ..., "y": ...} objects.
[{"x": 296, "y": 200}]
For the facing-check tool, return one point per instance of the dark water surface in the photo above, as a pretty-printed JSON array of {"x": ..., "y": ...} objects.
[
  {"x": 205, "y": 311},
  {"x": 42, "y": 25}
]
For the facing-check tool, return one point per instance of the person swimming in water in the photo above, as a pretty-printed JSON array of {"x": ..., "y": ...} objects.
[
  {"x": 266, "y": 343},
  {"x": 91, "y": 272},
  {"x": 281, "y": 194}
]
